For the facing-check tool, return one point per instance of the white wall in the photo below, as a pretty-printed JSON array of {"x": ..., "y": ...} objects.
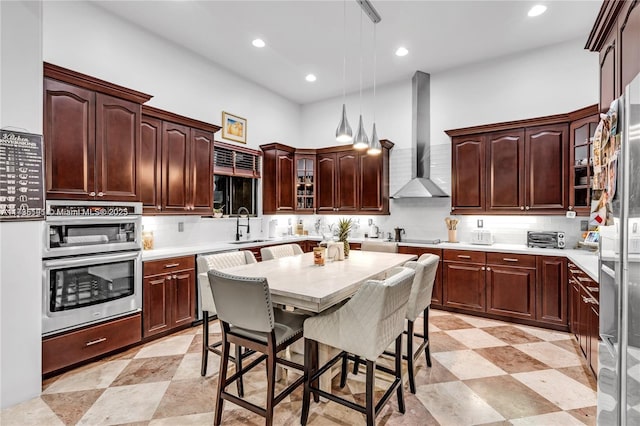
[
  {"x": 20, "y": 242},
  {"x": 552, "y": 80},
  {"x": 85, "y": 38}
]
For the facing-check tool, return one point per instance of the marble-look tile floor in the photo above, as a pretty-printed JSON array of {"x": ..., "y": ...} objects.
[{"x": 484, "y": 372}]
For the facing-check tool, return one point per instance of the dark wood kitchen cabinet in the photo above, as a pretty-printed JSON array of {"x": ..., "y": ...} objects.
[
  {"x": 176, "y": 167},
  {"x": 468, "y": 174},
  {"x": 436, "y": 295},
  {"x": 87, "y": 343},
  {"x": 585, "y": 321},
  {"x": 546, "y": 168},
  {"x": 168, "y": 291},
  {"x": 305, "y": 182},
  {"x": 551, "y": 304},
  {"x": 581, "y": 132},
  {"x": 518, "y": 167},
  {"x": 511, "y": 285},
  {"x": 278, "y": 188},
  {"x": 615, "y": 36},
  {"x": 347, "y": 181},
  {"x": 464, "y": 280},
  {"x": 91, "y": 137}
]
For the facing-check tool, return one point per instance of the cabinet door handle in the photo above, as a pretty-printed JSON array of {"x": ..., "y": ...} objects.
[
  {"x": 521, "y": 207},
  {"x": 526, "y": 208},
  {"x": 158, "y": 208},
  {"x": 571, "y": 265},
  {"x": 92, "y": 193},
  {"x": 483, "y": 268},
  {"x": 95, "y": 342},
  {"x": 175, "y": 277},
  {"x": 509, "y": 259},
  {"x": 488, "y": 269},
  {"x": 100, "y": 194},
  {"x": 464, "y": 256},
  {"x": 453, "y": 208},
  {"x": 171, "y": 265},
  {"x": 570, "y": 207},
  {"x": 593, "y": 289}
]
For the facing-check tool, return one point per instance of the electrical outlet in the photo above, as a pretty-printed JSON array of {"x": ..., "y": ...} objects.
[
  {"x": 480, "y": 223},
  {"x": 584, "y": 225},
  {"x": 180, "y": 226}
]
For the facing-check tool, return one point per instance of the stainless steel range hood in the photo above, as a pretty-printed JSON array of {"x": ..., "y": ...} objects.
[{"x": 420, "y": 185}]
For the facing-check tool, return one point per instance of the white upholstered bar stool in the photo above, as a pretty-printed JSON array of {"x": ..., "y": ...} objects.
[
  {"x": 217, "y": 261},
  {"x": 249, "y": 319},
  {"x": 364, "y": 326},
  {"x": 419, "y": 302},
  {"x": 379, "y": 246},
  {"x": 276, "y": 252}
]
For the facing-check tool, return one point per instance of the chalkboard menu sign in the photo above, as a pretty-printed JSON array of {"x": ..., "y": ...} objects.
[{"x": 21, "y": 177}]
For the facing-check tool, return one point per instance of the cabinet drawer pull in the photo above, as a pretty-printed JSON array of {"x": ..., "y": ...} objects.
[
  {"x": 464, "y": 256},
  {"x": 589, "y": 300},
  {"x": 593, "y": 289},
  {"x": 571, "y": 265},
  {"x": 583, "y": 279},
  {"x": 509, "y": 259},
  {"x": 171, "y": 265},
  {"x": 92, "y": 194},
  {"x": 483, "y": 268},
  {"x": 95, "y": 342},
  {"x": 575, "y": 271}
]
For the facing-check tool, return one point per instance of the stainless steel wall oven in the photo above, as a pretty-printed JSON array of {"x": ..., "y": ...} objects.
[{"x": 92, "y": 266}]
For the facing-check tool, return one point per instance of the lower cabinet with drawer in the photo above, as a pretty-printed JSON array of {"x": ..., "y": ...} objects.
[
  {"x": 464, "y": 280},
  {"x": 168, "y": 294},
  {"x": 585, "y": 318},
  {"x": 526, "y": 288},
  {"x": 69, "y": 349}
]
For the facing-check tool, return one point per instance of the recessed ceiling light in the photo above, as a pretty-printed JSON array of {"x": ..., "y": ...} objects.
[
  {"x": 537, "y": 10},
  {"x": 402, "y": 51},
  {"x": 310, "y": 78},
  {"x": 258, "y": 42}
]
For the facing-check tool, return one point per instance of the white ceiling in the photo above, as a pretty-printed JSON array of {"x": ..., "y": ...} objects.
[{"x": 306, "y": 36}]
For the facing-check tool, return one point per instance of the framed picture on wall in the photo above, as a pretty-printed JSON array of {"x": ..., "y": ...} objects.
[{"x": 234, "y": 128}]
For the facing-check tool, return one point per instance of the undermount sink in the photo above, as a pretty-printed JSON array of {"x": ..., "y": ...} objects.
[{"x": 247, "y": 241}]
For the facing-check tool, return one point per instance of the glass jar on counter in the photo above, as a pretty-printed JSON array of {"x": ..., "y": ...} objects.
[{"x": 147, "y": 240}]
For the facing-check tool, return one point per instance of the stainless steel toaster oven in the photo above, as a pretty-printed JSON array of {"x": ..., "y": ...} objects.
[{"x": 546, "y": 239}]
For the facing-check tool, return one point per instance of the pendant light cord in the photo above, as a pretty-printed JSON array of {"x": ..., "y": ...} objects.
[
  {"x": 344, "y": 51},
  {"x": 361, "y": 56},
  {"x": 375, "y": 61}
]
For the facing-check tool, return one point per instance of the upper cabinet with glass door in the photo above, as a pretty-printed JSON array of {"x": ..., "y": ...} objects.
[
  {"x": 581, "y": 160},
  {"x": 305, "y": 183}
]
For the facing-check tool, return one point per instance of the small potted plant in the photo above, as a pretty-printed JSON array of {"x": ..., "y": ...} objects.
[
  {"x": 344, "y": 227},
  {"x": 217, "y": 212}
]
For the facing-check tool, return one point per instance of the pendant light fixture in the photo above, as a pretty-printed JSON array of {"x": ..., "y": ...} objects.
[
  {"x": 375, "y": 147},
  {"x": 360, "y": 141},
  {"x": 344, "y": 132}
]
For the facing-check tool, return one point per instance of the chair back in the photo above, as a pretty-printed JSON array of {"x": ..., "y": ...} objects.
[
  {"x": 380, "y": 246},
  {"x": 374, "y": 316},
  {"x": 217, "y": 261},
  {"x": 243, "y": 302},
  {"x": 276, "y": 252},
  {"x": 421, "y": 290}
]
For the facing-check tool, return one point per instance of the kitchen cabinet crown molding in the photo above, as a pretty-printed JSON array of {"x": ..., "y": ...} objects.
[
  {"x": 180, "y": 119},
  {"x": 508, "y": 125},
  {"x": 606, "y": 20},
  {"x": 73, "y": 77}
]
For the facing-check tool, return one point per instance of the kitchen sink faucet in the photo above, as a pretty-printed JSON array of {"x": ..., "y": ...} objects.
[{"x": 238, "y": 223}]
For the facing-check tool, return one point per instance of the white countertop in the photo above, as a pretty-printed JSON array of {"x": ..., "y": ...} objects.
[{"x": 587, "y": 261}]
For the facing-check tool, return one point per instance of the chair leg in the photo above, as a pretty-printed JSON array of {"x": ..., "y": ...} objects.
[
  {"x": 222, "y": 379},
  {"x": 412, "y": 381},
  {"x": 343, "y": 374},
  {"x": 271, "y": 384},
  {"x": 399, "y": 390},
  {"x": 370, "y": 400},
  {"x": 356, "y": 365},
  {"x": 239, "y": 383},
  {"x": 308, "y": 372},
  {"x": 205, "y": 343},
  {"x": 425, "y": 333}
]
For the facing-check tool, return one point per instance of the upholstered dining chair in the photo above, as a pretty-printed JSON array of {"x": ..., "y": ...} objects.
[
  {"x": 419, "y": 302},
  {"x": 206, "y": 263},
  {"x": 276, "y": 252},
  {"x": 249, "y": 320},
  {"x": 380, "y": 246},
  {"x": 364, "y": 326}
]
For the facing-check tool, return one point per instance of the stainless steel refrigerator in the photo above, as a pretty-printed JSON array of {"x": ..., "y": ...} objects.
[{"x": 619, "y": 348}]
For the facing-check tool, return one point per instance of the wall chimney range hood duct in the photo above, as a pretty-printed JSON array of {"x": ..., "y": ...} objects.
[{"x": 420, "y": 185}]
